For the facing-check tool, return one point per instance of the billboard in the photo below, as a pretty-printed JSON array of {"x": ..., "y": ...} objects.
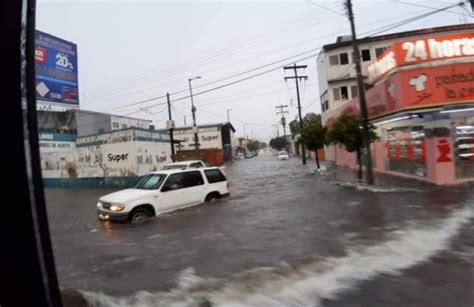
[
  {"x": 417, "y": 51},
  {"x": 416, "y": 88},
  {"x": 56, "y": 70}
]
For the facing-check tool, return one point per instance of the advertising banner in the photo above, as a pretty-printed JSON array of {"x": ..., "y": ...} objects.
[
  {"x": 56, "y": 70},
  {"x": 417, "y": 51},
  {"x": 415, "y": 89}
]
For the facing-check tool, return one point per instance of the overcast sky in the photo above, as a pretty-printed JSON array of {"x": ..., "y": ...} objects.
[{"x": 130, "y": 51}]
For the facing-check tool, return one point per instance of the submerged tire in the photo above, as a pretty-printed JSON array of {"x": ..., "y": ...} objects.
[{"x": 139, "y": 215}]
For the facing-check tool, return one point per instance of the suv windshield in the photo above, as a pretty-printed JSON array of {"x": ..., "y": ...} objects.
[{"x": 150, "y": 182}]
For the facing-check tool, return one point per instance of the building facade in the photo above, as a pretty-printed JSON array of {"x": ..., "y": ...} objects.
[
  {"x": 110, "y": 159},
  {"x": 211, "y": 136},
  {"x": 420, "y": 96}
]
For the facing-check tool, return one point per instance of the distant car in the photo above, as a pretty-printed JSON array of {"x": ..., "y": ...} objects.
[
  {"x": 184, "y": 165},
  {"x": 283, "y": 155},
  {"x": 163, "y": 191}
]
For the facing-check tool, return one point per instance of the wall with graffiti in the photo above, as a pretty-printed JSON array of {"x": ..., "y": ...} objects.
[{"x": 118, "y": 154}]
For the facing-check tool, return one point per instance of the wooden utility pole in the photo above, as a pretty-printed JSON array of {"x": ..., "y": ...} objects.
[
  {"x": 283, "y": 119},
  {"x": 367, "y": 157},
  {"x": 297, "y": 78},
  {"x": 170, "y": 126}
]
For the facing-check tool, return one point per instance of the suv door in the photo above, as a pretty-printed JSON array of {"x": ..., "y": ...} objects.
[
  {"x": 172, "y": 193},
  {"x": 194, "y": 187}
]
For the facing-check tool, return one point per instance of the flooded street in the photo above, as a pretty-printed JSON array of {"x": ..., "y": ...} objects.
[{"x": 287, "y": 236}]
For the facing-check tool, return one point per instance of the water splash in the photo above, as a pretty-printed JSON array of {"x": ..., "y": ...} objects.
[
  {"x": 304, "y": 283},
  {"x": 376, "y": 189}
]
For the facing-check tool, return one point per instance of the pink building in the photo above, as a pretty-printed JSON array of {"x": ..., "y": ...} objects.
[{"x": 420, "y": 98}]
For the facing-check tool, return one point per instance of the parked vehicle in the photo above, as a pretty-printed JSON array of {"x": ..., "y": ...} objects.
[
  {"x": 184, "y": 165},
  {"x": 283, "y": 155},
  {"x": 163, "y": 191},
  {"x": 240, "y": 156}
]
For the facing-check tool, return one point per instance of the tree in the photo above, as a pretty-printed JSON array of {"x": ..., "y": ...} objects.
[
  {"x": 294, "y": 127},
  {"x": 254, "y": 145},
  {"x": 311, "y": 118},
  {"x": 313, "y": 136},
  {"x": 278, "y": 143},
  {"x": 347, "y": 131}
]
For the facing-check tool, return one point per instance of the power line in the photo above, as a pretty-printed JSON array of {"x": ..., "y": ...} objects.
[
  {"x": 428, "y": 7},
  {"x": 325, "y": 8},
  {"x": 225, "y": 85},
  {"x": 300, "y": 43},
  {"x": 209, "y": 58}
]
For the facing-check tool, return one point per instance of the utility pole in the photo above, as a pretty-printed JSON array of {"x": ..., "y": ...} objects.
[
  {"x": 228, "y": 117},
  {"x": 245, "y": 134},
  {"x": 278, "y": 131},
  {"x": 283, "y": 119},
  {"x": 193, "y": 110},
  {"x": 170, "y": 126},
  {"x": 184, "y": 120},
  {"x": 297, "y": 78},
  {"x": 363, "y": 105}
]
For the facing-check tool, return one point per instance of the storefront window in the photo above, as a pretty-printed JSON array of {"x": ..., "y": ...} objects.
[
  {"x": 463, "y": 138},
  {"x": 405, "y": 150}
]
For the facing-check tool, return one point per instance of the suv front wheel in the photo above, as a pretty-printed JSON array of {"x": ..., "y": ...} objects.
[{"x": 139, "y": 215}]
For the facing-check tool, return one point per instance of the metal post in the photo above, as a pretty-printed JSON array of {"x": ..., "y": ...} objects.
[
  {"x": 171, "y": 128},
  {"x": 362, "y": 102}
]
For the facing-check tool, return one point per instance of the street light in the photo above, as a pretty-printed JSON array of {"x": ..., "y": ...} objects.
[
  {"x": 193, "y": 110},
  {"x": 228, "y": 117}
]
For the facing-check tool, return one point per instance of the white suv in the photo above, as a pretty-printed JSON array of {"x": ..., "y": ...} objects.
[{"x": 163, "y": 191}]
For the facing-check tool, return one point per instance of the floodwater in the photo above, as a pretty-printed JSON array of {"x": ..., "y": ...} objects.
[{"x": 287, "y": 236}]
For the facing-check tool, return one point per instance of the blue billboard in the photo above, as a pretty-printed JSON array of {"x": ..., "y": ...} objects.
[{"x": 56, "y": 69}]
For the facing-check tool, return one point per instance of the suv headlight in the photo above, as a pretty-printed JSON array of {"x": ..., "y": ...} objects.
[{"x": 117, "y": 207}]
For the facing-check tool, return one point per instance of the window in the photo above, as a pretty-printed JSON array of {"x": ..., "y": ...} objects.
[
  {"x": 192, "y": 179},
  {"x": 115, "y": 125},
  {"x": 462, "y": 130},
  {"x": 336, "y": 93},
  {"x": 344, "y": 59},
  {"x": 214, "y": 175},
  {"x": 354, "y": 91},
  {"x": 344, "y": 93},
  {"x": 333, "y": 60},
  {"x": 150, "y": 182},
  {"x": 174, "y": 182},
  {"x": 379, "y": 51},
  {"x": 327, "y": 104},
  {"x": 365, "y": 55},
  {"x": 196, "y": 165},
  {"x": 405, "y": 150},
  {"x": 124, "y": 126},
  {"x": 322, "y": 107}
]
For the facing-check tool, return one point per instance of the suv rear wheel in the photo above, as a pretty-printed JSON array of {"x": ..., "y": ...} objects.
[{"x": 212, "y": 197}]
